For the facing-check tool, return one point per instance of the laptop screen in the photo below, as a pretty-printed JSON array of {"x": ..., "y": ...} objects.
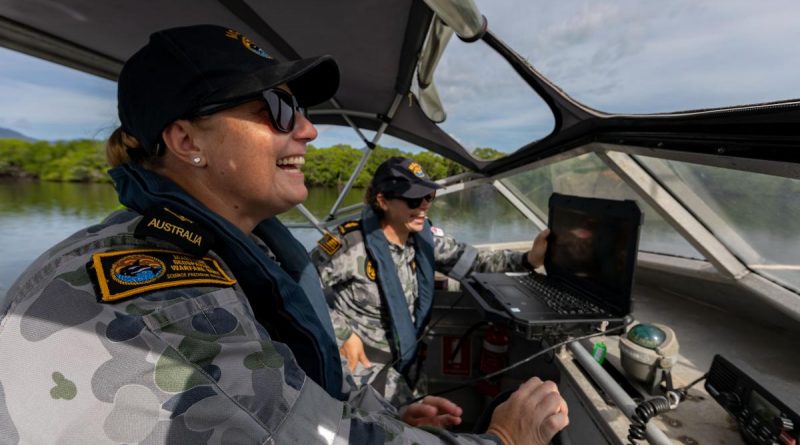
[{"x": 593, "y": 245}]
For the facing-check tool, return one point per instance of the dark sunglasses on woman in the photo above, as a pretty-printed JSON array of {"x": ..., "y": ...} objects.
[
  {"x": 281, "y": 104},
  {"x": 414, "y": 203}
]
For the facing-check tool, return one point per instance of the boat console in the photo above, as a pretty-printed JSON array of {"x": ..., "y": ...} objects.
[
  {"x": 739, "y": 404},
  {"x": 765, "y": 416}
]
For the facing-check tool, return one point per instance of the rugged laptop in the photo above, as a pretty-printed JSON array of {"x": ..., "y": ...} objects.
[{"x": 590, "y": 263}]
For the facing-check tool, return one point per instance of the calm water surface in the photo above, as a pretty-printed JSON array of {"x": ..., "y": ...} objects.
[{"x": 36, "y": 215}]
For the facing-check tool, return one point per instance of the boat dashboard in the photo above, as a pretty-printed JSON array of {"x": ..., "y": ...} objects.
[{"x": 603, "y": 395}]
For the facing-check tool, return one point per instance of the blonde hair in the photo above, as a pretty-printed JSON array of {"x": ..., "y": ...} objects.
[{"x": 122, "y": 148}]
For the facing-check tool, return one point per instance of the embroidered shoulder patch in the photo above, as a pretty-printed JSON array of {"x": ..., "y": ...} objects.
[
  {"x": 167, "y": 225},
  {"x": 128, "y": 273},
  {"x": 349, "y": 226},
  {"x": 329, "y": 243},
  {"x": 437, "y": 231},
  {"x": 369, "y": 269}
]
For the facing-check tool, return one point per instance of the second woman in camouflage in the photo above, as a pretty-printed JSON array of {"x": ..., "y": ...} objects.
[{"x": 380, "y": 269}]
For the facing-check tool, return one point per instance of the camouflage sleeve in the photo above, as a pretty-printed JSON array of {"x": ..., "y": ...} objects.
[
  {"x": 341, "y": 326},
  {"x": 186, "y": 365},
  {"x": 334, "y": 271},
  {"x": 451, "y": 255},
  {"x": 500, "y": 261},
  {"x": 329, "y": 273}
]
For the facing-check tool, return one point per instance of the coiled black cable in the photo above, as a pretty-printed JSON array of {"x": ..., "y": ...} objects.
[
  {"x": 642, "y": 414},
  {"x": 648, "y": 409}
]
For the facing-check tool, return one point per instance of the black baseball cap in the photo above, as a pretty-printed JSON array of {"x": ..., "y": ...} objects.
[
  {"x": 183, "y": 69},
  {"x": 403, "y": 177}
]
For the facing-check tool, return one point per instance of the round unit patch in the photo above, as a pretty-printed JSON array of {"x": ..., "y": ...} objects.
[
  {"x": 137, "y": 269},
  {"x": 249, "y": 44},
  {"x": 416, "y": 169}
]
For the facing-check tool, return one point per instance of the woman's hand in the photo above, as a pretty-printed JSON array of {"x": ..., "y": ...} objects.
[
  {"x": 432, "y": 411},
  {"x": 532, "y": 415},
  {"x": 536, "y": 254},
  {"x": 353, "y": 351}
]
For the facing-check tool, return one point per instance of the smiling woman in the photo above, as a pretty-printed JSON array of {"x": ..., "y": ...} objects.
[
  {"x": 245, "y": 169},
  {"x": 380, "y": 269},
  {"x": 197, "y": 275},
  {"x": 195, "y": 185}
]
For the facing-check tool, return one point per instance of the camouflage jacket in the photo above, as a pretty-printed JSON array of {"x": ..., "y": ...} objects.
[
  {"x": 175, "y": 365},
  {"x": 344, "y": 268}
]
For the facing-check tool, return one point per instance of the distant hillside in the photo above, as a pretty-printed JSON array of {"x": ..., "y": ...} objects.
[{"x": 5, "y": 133}]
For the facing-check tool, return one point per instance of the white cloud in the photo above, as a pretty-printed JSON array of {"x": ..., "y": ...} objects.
[
  {"x": 621, "y": 56},
  {"x": 48, "y": 112},
  {"x": 627, "y": 56}
]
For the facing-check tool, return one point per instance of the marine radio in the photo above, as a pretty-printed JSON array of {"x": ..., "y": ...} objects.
[{"x": 762, "y": 417}]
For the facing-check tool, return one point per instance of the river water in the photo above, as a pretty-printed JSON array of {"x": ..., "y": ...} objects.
[{"x": 36, "y": 215}]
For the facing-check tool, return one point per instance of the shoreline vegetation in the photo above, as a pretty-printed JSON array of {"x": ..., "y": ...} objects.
[{"x": 83, "y": 160}]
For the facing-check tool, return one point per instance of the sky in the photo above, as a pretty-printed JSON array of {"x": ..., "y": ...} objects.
[{"x": 627, "y": 56}]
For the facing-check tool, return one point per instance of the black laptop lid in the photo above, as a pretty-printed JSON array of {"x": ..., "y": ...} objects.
[{"x": 592, "y": 247}]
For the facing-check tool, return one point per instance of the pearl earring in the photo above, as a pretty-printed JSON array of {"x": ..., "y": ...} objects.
[{"x": 196, "y": 160}]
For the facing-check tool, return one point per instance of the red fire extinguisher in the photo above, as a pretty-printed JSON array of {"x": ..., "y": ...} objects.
[{"x": 494, "y": 357}]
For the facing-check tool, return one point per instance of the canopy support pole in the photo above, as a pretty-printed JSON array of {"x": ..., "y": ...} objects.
[
  {"x": 623, "y": 401},
  {"x": 365, "y": 152},
  {"x": 520, "y": 204},
  {"x": 310, "y": 216}
]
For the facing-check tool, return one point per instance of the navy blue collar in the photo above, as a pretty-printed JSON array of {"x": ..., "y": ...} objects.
[
  {"x": 404, "y": 333},
  {"x": 276, "y": 293}
]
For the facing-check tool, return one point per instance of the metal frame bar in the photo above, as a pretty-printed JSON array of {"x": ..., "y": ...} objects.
[
  {"x": 772, "y": 168},
  {"x": 347, "y": 119},
  {"x": 311, "y": 219},
  {"x": 36, "y": 43},
  {"x": 366, "y": 151},
  {"x": 343, "y": 113},
  {"x": 654, "y": 435},
  {"x": 367, "y": 146},
  {"x": 520, "y": 203},
  {"x": 563, "y": 156},
  {"x": 692, "y": 201},
  {"x": 673, "y": 211}
]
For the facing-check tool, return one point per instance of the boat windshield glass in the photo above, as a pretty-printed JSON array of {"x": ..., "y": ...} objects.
[
  {"x": 489, "y": 107},
  {"x": 755, "y": 215},
  {"x": 587, "y": 175},
  {"x": 497, "y": 221},
  {"x": 631, "y": 56}
]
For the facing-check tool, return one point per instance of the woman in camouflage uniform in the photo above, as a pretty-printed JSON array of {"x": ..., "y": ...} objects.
[
  {"x": 380, "y": 269},
  {"x": 159, "y": 324}
]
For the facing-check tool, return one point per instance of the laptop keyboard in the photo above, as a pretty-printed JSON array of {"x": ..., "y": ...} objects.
[{"x": 558, "y": 300}]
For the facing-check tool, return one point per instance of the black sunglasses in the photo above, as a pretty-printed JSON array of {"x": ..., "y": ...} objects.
[
  {"x": 414, "y": 203},
  {"x": 281, "y": 104}
]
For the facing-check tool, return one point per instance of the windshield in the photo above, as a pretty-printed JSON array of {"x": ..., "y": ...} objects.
[
  {"x": 643, "y": 57},
  {"x": 624, "y": 57},
  {"x": 586, "y": 175},
  {"x": 754, "y": 215}
]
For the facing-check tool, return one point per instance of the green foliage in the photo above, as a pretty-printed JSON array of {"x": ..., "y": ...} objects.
[
  {"x": 487, "y": 153},
  {"x": 83, "y": 160},
  {"x": 332, "y": 166}
]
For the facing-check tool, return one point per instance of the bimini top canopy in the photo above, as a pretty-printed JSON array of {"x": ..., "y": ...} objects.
[{"x": 378, "y": 47}]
